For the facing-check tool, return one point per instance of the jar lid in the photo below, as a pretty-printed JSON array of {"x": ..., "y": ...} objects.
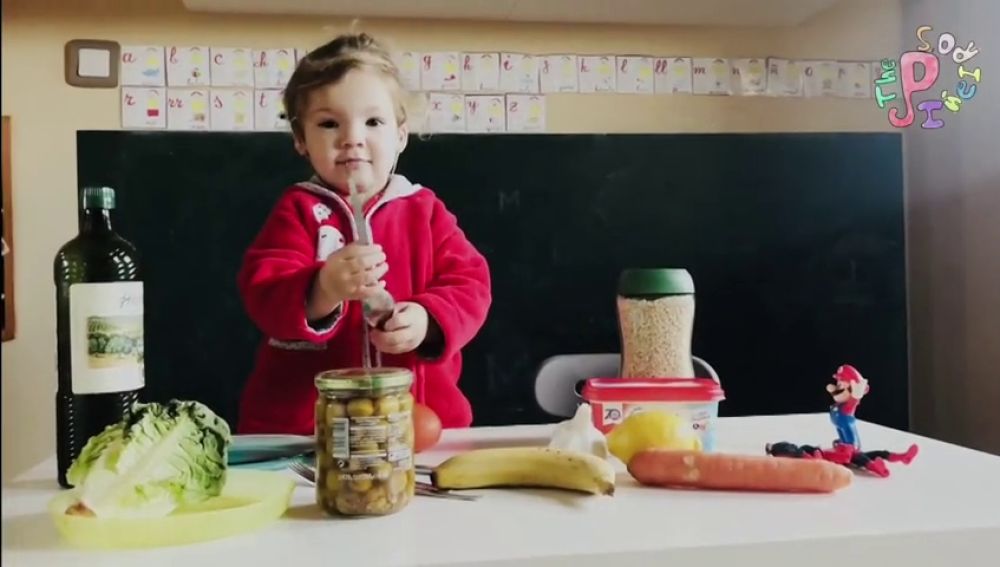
[
  {"x": 629, "y": 390},
  {"x": 655, "y": 281},
  {"x": 346, "y": 379}
]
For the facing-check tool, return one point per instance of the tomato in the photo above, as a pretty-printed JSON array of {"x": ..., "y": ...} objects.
[{"x": 426, "y": 428}]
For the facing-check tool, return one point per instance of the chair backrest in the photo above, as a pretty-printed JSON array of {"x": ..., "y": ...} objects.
[{"x": 560, "y": 378}]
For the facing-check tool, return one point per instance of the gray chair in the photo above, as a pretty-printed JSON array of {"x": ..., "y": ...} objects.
[{"x": 560, "y": 378}]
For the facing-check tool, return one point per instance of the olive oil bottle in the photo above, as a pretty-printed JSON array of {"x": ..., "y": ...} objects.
[{"x": 99, "y": 328}]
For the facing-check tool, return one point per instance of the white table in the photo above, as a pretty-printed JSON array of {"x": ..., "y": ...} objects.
[{"x": 944, "y": 509}]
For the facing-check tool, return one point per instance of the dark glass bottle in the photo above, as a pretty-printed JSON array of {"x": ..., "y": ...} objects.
[{"x": 99, "y": 329}]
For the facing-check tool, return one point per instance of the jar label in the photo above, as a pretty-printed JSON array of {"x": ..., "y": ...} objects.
[
  {"x": 370, "y": 440},
  {"x": 106, "y": 337}
]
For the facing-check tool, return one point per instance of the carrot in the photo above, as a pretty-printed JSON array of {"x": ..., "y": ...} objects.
[{"x": 716, "y": 471}]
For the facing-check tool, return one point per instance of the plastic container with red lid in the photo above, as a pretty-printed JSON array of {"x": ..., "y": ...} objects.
[{"x": 695, "y": 399}]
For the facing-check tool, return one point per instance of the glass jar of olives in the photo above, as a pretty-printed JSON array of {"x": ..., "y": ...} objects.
[{"x": 364, "y": 441}]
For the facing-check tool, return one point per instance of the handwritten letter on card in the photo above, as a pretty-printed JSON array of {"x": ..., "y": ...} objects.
[
  {"x": 232, "y": 67},
  {"x": 143, "y": 65},
  {"x": 409, "y": 70},
  {"x": 557, "y": 74},
  {"x": 273, "y": 67},
  {"x": 784, "y": 77},
  {"x": 820, "y": 78},
  {"x": 485, "y": 113},
  {"x": 187, "y": 66},
  {"x": 635, "y": 75},
  {"x": 672, "y": 75},
  {"x": 187, "y": 109},
  {"x": 446, "y": 112},
  {"x": 269, "y": 110},
  {"x": 144, "y": 108},
  {"x": 440, "y": 71},
  {"x": 525, "y": 113},
  {"x": 518, "y": 73},
  {"x": 480, "y": 72},
  {"x": 712, "y": 76},
  {"x": 597, "y": 73},
  {"x": 749, "y": 76},
  {"x": 232, "y": 109}
]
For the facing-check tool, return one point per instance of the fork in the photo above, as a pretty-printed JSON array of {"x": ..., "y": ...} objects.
[{"x": 421, "y": 488}]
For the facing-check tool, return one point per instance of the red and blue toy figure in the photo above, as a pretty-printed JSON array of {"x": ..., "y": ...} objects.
[{"x": 847, "y": 390}]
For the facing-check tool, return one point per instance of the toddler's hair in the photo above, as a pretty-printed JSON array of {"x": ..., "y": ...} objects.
[{"x": 328, "y": 63}]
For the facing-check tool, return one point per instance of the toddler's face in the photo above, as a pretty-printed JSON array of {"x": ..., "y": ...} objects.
[{"x": 350, "y": 128}]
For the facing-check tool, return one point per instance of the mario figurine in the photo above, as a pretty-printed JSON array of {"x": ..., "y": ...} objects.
[{"x": 847, "y": 390}]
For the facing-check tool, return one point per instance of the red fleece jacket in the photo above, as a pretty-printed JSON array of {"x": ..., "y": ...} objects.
[{"x": 430, "y": 262}]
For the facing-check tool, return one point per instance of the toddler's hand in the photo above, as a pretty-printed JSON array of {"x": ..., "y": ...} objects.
[
  {"x": 353, "y": 272},
  {"x": 404, "y": 331}
]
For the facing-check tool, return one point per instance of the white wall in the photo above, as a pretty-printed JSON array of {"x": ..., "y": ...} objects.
[{"x": 953, "y": 187}]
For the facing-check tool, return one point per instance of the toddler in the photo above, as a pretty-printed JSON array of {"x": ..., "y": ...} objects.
[{"x": 304, "y": 275}]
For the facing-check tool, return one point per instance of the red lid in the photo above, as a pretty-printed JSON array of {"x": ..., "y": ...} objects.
[{"x": 652, "y": 390}]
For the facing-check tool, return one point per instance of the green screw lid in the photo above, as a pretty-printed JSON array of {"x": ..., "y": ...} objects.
[
  {"x": 363, "y": 380},
  {"x": 655, "y": 281},
  {"x": 98, "y": 198}
]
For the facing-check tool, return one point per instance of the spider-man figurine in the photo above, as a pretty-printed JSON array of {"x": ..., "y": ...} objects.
[
  {"x": 843, "y": 454},
  {"x": 847, "y": 390}
]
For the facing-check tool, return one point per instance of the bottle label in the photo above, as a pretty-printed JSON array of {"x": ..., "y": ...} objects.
[{"x": 106, "y": 337}]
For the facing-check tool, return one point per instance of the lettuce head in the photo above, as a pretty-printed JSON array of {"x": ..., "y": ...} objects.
[{"x": 160, "y": 457}]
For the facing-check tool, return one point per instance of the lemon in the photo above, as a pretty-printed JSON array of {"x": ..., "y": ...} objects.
[{"x": 651, "y": 429}]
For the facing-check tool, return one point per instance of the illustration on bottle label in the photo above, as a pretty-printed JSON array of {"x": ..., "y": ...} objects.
[{"x": 106, "y": 337}]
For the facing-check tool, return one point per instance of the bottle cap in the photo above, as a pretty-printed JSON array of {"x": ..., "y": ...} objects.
[
  {"x": 98, "y": 198},
  {"x": 659, "y": 281}
]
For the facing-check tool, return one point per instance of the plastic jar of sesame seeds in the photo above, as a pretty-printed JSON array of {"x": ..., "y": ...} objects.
[{"x": 656, "y": 322}]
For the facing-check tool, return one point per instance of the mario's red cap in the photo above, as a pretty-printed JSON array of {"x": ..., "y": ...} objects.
[{"x": 847, "y": 373}]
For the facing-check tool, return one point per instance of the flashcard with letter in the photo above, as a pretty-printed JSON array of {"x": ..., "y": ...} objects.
[
  {"x": 672, "y": 75},
  {"x": 749, "y": 76},
  {"x": 634, "y": 75},
  {"x": 518, "y": 73},
  {"x": 409, "y": 70},
  {"x": 784, "y": 77},
  {"x": 273, "y": 67},
  {"x": 480, "y": 72},
  {"x": 187, "y": 66},
  {"x": 485, "y": 113},
  {"x": 144, "y": 108},
  {"x": 269, "y": 110},
  {"x": 446, "y": 112},
  {"x": 439, "y": 71},
  {"x": 525, "y": 113},
  {"x": 711, "y": 76},
  {"x": 232, "y": 67},
  {"x": 142, "y": 65},
  {"x": 232, "y": 109},
  {"x": 597, "y": 73},
  {"x": 557, "y": 74},
  {"x": 187, "y": 109}
]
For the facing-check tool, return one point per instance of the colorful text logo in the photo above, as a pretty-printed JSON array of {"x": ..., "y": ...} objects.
[{"x": 927, "y": 59}]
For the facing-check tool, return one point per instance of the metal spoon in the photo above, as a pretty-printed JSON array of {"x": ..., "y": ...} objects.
[{"x": 379, "y": 308}]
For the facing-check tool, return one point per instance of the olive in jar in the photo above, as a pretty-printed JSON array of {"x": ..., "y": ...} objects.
[{"x": 364, "y": 441}]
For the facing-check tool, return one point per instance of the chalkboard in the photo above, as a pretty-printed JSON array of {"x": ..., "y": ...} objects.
[{"x": 795, "y": 242}]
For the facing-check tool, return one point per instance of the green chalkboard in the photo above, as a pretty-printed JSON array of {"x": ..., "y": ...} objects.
[{"x": 795, "y": 241}]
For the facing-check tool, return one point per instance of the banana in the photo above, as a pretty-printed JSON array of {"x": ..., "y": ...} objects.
[{"x": 540, "y": 467}]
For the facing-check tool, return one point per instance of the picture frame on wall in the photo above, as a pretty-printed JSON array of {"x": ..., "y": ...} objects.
[{"x": 8, "y": 239}]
